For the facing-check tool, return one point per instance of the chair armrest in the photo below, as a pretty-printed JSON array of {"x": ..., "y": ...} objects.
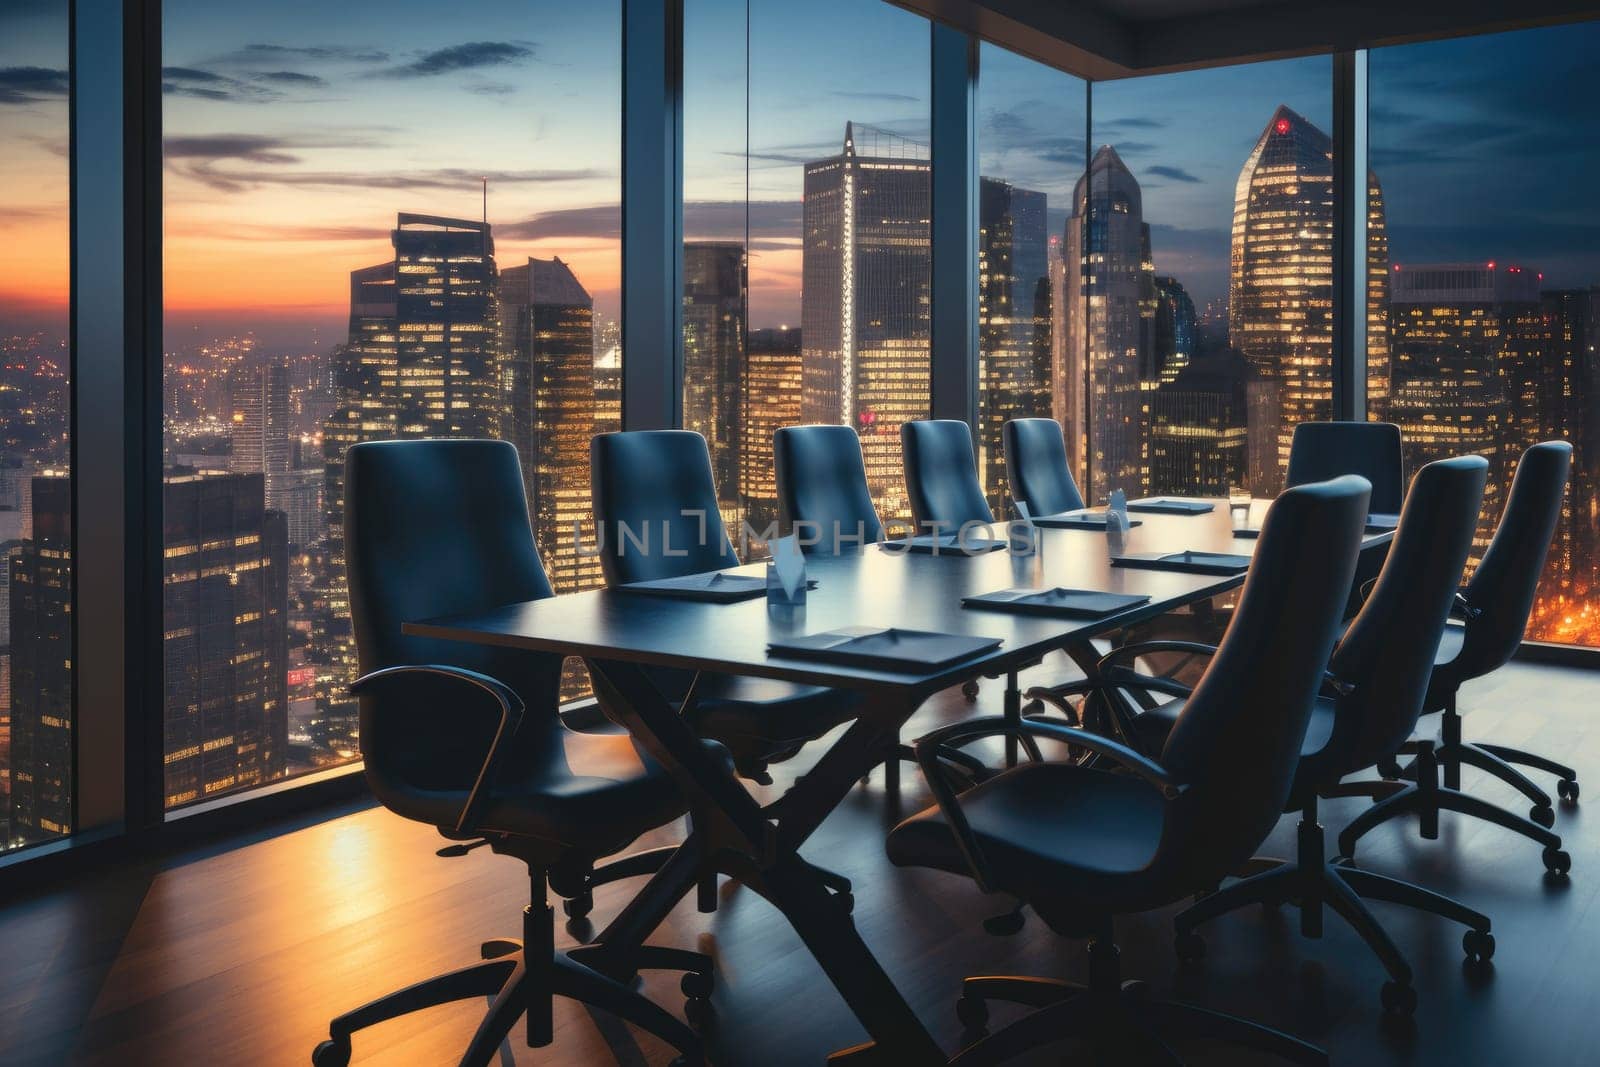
[
  {"x": 1142, "y": 647},
  {"x": 930, "y": 748},
  {"x": 511, "y": 711}
]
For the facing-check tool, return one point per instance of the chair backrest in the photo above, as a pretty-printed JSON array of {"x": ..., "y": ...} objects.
[
  {"x": 1236, "y": 744},
  {"x": 1387, "y": 652},
  {"x": 1501, "y": 590},
  {"x": 942, "y": 475},
  {"x": 822, "y": 486},
  {"x": 655, "y": 506},
  {"x": 1036, "y": 466},
  {"x": 1323, "y": 450},
  {"x": 437, "y": 528}
]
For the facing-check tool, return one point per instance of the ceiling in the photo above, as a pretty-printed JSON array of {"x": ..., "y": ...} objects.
[{"x": 1103, "y": 39}]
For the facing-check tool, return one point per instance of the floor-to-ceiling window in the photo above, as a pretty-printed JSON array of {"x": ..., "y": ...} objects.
[
  {"x": 807, "y": 235},
  {"x": 1488, "y": 149},
  {"x": 36, "y": 638},
  {"x": 1198, "y": 301},
  {"x": 381, "y": 220},
  {"x": 1032, "y": 121}
]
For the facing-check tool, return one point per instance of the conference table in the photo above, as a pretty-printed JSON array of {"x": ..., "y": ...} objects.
[{"x": 621, "y": 635}]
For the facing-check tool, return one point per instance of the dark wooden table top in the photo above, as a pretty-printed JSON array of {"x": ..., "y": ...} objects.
[{"x": 875, "y": 586}]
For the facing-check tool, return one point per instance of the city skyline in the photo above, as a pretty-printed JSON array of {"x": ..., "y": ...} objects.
[{"x": 1178, "y": 350}]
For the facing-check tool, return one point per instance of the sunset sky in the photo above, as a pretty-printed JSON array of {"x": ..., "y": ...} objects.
[{"x": 295, "y": 131}]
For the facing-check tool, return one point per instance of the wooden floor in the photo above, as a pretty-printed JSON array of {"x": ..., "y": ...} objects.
[{"x": 239, "y": 955}]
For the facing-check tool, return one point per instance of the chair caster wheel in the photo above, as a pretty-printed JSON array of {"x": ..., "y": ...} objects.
[
  {"x": 847, "y": 901},
  {"x": 1190, "y": 946},
  {"x": 969, "y": 690},
  {"x": 1398, "y": 999},
  {"x": 697, "y": 1012},
  {"x": 1544, "y": 816},
  {"x": 1567, "y": 791},
  {"x": 1557, "y": 861},
  {"x": 1136, "y": 989},
  {"x": 1390, "y": 771},
  {"x": 973, "y": 1013},
  {"x": 331, "y": 1053},
  {"x": 1033, "y": 707},
  {"x": 578, "y": 907},
  {"x": 696, "y": 985},
  {"x": 1478, "y": 945}
]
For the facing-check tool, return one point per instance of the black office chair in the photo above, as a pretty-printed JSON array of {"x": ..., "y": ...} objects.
[
  {"x": 1081, "y": 845},
  {"x": 1370, "y": 705},
  {"x": 822, "y": 489},
  {"x": 1323, "y": 450},
  {"x": 1037, "y": 468},
  {"x": 659, "y": 483},
  {"x": 1494, "y": 604},
  {"x": 466, "y": 737},
  {"x": 942, "y": 476}
]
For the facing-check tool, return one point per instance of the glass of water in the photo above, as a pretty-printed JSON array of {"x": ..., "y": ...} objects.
[{"x": 1239, "y": 501}]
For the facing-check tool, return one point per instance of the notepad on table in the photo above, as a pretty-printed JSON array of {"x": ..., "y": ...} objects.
[
  {"x": 716, "y": 587},
  {"x": 885, "y": 648},
  {"x": 948, "y": 544},
  {"x": 1186, "y": 562},
  {"x": 1076, "y": 520},
  {"x": 1069, "y": 603},
  {"x": 1171, "y": 505}
]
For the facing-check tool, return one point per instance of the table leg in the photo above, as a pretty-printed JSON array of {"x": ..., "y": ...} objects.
[{"x": 731, "y": 826}]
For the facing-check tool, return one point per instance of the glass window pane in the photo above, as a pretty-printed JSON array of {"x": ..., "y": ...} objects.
[
  {"x": 1486, "y": 148},
  {"x": 36, "y": 654},
  {"x": 1031, "y": 127},
  {"x": 1203, "y": 233},
  {"x": 824, "y": 112},
  {"x": 380, "y": 222}
]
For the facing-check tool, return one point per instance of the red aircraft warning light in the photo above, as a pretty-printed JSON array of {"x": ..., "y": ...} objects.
[{"x": 1282, "y": 125}]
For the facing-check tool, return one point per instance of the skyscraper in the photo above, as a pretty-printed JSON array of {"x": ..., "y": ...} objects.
[
  {"x": 421, "y": 361},
  {"x": 864, "y": 297},
  {"x": 1176, "y": 336},
  {"x": 1108, "y": 319},
  {"x": 1013, "y": 322},
  {"x": 1280, "y": 288},
  {"x": 1466, "y": 338},
  {"x": 713, "y": 357},
  {"x": 41, "y": 667},
  {"x": 772, "y": 401},
  {"x": 225, "y": 655},
  {"x": 258, "y": 426},
  {"x": 547, "y": 346},
  {"x": 1199, "y": 439}
]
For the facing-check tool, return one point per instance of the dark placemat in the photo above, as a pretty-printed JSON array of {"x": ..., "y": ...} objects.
[
  {"x": 1057, "y": 602},
  {"x": 1171, "y": 505},
  {"x": 714, "y": 587},
  {"x": 891, "y": 649},
  {"x": 1225, "y": 563}
]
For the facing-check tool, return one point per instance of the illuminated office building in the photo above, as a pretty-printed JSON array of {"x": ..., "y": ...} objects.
[
  {"x": 1013, "y": 323},
  {"x": 421, "y": 360},
  {"x": 225, "y": 654},
  {"x": 772, "y": 401},
  {"x": 548, "y": 377},
  {"x": 1177, "y": 329},
  {"x": 1199, "y": 438},
  {"x": 714, "y": 282},
  {"x": 41, "y": 667},
  {"x": 1108, "y": 322},
  {"x": 1280, "y": 290},
  {"x": 864, "y": 296},
  {"x": 258, "y": 427},
  {"x": 1466, "y": 351}
]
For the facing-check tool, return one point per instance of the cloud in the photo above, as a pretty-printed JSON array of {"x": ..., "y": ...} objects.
[
  {"x": 490, "y": 88},
  {"x": 474, "y": 55},
  {"x": 1177, "y": 174},
  {"x": 881, "y": 98},
  {"x": 258, "y": 232},
  {"x": 241, "y": 146},
  {"x": 293, "y": 77},
  {"x": 275, "y": 53},
  {"x": 597, "y": 221},
  {"x": 215, "y": 160},
  {"x": 211, "y": 85},
  {"x": 27, "y": 85},
  {"x": 1135, "y": 122}
]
